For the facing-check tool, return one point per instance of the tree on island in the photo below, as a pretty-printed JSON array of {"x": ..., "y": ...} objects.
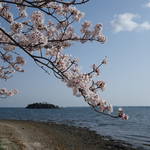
[
  {"x": 42, "y": 105},
  {"x": 45, "y": 41}
]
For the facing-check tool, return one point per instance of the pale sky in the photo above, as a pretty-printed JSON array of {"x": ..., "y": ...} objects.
[{"x": 127, "y": 28}]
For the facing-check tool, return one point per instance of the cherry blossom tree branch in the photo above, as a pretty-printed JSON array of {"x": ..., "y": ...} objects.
[
  {"x": 45, "y": 41},
  {"x": 36, "y": 58}
]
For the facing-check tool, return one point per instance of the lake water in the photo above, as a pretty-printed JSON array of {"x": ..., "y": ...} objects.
[{"x": 136, "y": 130}]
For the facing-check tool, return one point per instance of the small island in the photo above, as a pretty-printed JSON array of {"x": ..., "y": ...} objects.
[{"x": 42, "y": 106}]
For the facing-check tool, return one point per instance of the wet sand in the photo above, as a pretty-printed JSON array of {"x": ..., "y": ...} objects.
[{"x": 30, "y": 135}]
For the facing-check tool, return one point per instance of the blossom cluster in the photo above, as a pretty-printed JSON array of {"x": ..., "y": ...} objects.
[
  {"x": 6, "y": 71},
  {"x": 44, "y": 33},
  {"x": 5, "y": 92},
  {"x": 122, "y": 115}
]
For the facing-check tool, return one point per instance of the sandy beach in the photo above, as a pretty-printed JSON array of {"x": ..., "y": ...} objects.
[{"x": 29, "y": 135}]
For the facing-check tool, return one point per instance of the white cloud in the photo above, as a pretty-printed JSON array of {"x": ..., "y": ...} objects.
[
  {"x": 145, "y": 25},
  {"x": 126, "y": 22},
  {"x": 147, "y": 4}
]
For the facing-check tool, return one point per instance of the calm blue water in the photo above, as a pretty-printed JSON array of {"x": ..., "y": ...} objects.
[{"x": 135, "y": 131}]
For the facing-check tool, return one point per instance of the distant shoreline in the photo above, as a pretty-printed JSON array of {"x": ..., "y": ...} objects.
[{"x": 30, "y": 135}]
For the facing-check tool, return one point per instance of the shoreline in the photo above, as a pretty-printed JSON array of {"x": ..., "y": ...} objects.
[{"x": 31, "y": 135}]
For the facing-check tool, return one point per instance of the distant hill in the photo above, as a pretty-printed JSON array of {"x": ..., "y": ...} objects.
[{"x": 42, "y": 106}]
